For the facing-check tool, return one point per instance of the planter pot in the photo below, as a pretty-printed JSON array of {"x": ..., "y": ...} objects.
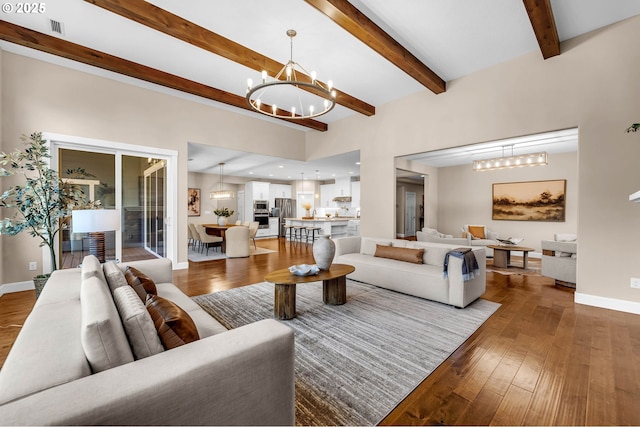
[
  {"x": 39, "y": 282},
  {"x": 323, "y": 251},
  {"x": 222, "y": 220}
]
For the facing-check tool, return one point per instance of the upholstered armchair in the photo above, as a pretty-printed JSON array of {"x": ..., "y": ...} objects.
[
  {"x": 433, "y": 235},
  {"x": 559, "y": 258},
  {"x": 237, "y": 242},
  {"x": 480, "y": 235}
]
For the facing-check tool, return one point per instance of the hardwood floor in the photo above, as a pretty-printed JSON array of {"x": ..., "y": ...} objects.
[{"x": 539, "y": 360}]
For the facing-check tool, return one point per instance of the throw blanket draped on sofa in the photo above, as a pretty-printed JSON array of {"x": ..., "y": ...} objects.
[{"x": 469, "y": 263}]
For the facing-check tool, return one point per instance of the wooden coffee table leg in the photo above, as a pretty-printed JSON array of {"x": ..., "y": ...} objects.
[
  {"x": 284, "y": 303},
  {"x": 500, "y": 258},
  {"x": 334, "y": 291},
  {"x": 525, "y": 259}
]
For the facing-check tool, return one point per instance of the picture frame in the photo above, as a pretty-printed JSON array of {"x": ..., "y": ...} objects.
[
  {"x": 530, "y": 201},
  {"x": 193, "y": 201}
]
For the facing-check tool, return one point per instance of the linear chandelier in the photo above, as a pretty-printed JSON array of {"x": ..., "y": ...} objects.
[
  {"x": 222, "y": 194},
  {"x": 533, "y": 159},
  {"x": 289, "y": 89}
]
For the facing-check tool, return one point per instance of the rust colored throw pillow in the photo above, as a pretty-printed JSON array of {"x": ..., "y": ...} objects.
[
  {"x": 400, "y": 254},
  {"x": 140, "y": 283},
  {"x": 175, "y": 327},
  {"x": 477, "y": 231}
]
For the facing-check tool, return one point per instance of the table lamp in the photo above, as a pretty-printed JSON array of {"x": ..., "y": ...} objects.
[{"x": 95, "y": 222}]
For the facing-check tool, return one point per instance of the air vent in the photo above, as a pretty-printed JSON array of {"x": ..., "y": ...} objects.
[{"x": 56, "y": 26}]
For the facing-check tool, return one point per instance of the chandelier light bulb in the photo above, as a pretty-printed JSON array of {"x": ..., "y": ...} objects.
[
  {"x": 249, "y": 84},
  {"x": 329, "y": 85},
  {"x": 274, "y": 108},
  {"x": 288, "y": 71},
  {"x": 258, "y": 102},
  {"x": 313, "y": 77},
  {"x": 293, "y": 111},
  {"x": 264, "y": 76},
  {"x": 326, "y": 104},
  {"x": 311, "y": 109}
]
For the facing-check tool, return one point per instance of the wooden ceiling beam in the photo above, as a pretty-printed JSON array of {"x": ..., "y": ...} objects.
[
  {"x": 544, "y": 26},
  {"x": 161, "y": 20},
  {"x": 355, "y": 22},
  {"x": 59, "y": 47}
]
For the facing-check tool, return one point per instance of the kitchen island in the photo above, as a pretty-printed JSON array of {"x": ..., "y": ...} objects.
[{"x": 334, "y": 227}]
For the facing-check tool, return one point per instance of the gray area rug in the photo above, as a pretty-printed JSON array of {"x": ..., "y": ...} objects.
[{"x": 355, "y": 362}]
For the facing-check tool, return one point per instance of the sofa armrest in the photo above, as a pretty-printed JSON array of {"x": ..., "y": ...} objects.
[
  {"x": 492, "y": 235},
  {"x": 241, "y": 377},
  {"x": 463, "y": 293},
  {"x": 347, "y": 245},
  {"x": 160, "y": 270}
]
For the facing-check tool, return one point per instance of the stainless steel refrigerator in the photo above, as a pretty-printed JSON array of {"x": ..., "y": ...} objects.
[{"x": 287, "y": 210}]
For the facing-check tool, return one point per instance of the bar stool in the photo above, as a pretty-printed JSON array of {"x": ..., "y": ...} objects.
[
  {"x": 288, "y": 229},
  {"x": 297, "y": 229},
  {"x": 312, "y": 230}
]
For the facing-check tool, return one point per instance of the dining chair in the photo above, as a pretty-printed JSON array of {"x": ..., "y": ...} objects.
[
  {"x": 208, "y": 240},
  {"x": 237, "y": 242},
  {"x": 253, "y": 230}
]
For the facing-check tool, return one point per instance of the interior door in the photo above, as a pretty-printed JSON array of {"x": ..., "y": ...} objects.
[{"x": 410, "y": 214}]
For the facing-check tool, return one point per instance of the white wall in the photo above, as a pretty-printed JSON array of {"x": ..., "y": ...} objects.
[
  {"x": 466, "y": 198},
  {"x": 592, "y": 85}
]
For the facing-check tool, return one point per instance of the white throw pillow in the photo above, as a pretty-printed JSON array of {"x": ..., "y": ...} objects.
[
  {"x": 115, "y": 276},
  {"x": 102, "y": 335},
  {"x": 137, "y": 322},
  {"x": 368, "y": 245}
]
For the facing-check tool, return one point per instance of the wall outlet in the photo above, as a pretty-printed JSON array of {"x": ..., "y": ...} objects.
[
  {"x": 33, "y": 266},
  {"x": 635, "y": 283}
]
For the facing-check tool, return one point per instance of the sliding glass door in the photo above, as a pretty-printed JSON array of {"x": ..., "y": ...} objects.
[{"x": 154, "y": 208}]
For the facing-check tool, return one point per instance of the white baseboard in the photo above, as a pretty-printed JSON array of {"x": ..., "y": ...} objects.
[
  {"x": 181, "y": 266},
  {"x": 16, "y": 287},
  {"x": 610, "y": 303}
]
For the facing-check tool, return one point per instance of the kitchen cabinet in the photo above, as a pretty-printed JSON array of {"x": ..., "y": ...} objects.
[
  {"x": 342, "y": 187},
  {"x": 277, "y": 191},
  {"x": 273, "y": 229},
  {"x": 355, "y": 194},
  {"x": 326, "y": 195},
  {"x": 256, "y": 190}
]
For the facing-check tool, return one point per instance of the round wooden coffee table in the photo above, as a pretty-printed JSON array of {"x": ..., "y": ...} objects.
[
  {"x": 502, "y": 255},
  {"x": 334, "y": 288}
]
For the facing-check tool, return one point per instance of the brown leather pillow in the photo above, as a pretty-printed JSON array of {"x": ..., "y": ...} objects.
[
  {"x": 400, "y": 254},
  {"x": 140, "y": 283},
  {"x": 175, "y": 327}
]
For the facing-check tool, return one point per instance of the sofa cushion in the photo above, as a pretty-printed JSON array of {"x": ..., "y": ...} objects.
[
  {"x": 102, "y": 335},
  {"x": 477, "y": 232},
  {"x": 91, "y": 267},
  {"x": 433, "y": 255},
  {"x": 138, "y": 326},
  {"x": 400, "y": 254},
  {"x": 174, "y": 326},
  {"x": 140, "y": 282},
  {"x": 368, "y": 245},
  {"x": 113, "y": 274}
]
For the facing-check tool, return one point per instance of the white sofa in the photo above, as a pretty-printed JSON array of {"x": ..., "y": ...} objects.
[
  {"x": 244, "y": 376},
  {"x": 434, "y": 236},
  {"x": 424, "y": 280}
]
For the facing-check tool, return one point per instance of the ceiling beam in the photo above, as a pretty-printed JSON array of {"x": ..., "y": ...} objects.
[
  {"x": 355, "y": 22},
  {"x": 544, "y": 26},
  {"x": 59, "y": 47},
  {"x": 161, "y": 20}
]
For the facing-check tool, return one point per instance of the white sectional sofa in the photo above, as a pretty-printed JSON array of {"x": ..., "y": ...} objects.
[
  {"x": 425, "y": 280},
  {"x": 52, "y": 374}
]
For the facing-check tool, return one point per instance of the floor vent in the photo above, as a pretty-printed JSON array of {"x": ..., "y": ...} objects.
[{"x": 56, "y": 26}]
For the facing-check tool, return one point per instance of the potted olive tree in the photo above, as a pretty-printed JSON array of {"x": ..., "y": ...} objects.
[
  {"x": 41, "y": 201},
  {"x": 634, "y": 127}
]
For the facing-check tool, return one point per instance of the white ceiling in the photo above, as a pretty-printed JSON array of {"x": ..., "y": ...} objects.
[{"x": 453, "y": 38}]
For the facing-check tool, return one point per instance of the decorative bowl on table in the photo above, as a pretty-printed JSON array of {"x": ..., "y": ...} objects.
[{"x": 304, "y": 269}]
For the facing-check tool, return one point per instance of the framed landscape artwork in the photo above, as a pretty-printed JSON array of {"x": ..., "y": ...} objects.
[
  {"x": 193, "y": 202},
  {"x": 530, "y": 201}
]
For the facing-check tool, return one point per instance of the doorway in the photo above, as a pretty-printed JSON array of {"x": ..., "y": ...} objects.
[
  {"x": 410, "y": 214},
  {"x": 136, "y": 180}
]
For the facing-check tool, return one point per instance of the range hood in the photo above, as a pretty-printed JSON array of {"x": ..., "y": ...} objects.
[{"x": 342, "y": 199}]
